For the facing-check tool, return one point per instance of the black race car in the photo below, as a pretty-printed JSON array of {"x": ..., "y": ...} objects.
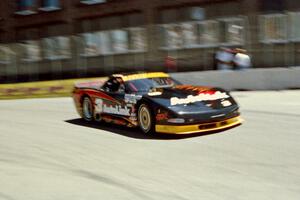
[{"x": 156, "y": 103}]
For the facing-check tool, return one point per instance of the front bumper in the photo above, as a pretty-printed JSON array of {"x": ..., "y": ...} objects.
[{"x": 198, "y": 128}]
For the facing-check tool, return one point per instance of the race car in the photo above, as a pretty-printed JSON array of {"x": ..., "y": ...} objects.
[{"x": 156, "y": 103}]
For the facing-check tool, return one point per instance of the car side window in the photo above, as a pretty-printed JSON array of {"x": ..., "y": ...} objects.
[{"x": 114, "y": 85}]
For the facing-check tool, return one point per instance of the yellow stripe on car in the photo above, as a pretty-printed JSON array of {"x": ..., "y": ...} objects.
[
  {"x": 144, "y": 75},
  {"x": 198, "y": 128}
]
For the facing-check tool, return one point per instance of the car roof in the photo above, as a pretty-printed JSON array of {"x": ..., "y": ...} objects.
[{"x": 142, "y": 75}]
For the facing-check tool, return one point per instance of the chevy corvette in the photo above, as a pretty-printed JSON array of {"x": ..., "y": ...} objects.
[{"x": 155, "y": 102}]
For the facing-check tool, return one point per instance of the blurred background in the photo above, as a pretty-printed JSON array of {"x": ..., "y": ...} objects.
[{"x": 58, "y": 39}]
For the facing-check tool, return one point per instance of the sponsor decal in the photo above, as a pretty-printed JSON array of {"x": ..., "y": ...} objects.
[
  {"x": 133, "y": 118},
  {"x": 161, "y": 116},
  {"x": 133, "y": 110},
  {"x": 154, "y": 93},
  {"x": 201, "y": 97},
  {"x": 132, "y": 98},
  {"x": 118, "y": 110},
  {"x": 101, "y": 107},
  {"x": 98, "y": 105},
  {"x": 226, "y": 103}
]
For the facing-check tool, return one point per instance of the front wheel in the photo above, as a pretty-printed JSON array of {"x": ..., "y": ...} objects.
[
  {"x": 145, "y": 119},
  {"x": 87, "y": 109}
]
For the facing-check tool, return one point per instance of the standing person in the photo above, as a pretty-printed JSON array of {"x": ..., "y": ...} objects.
[
  {"x": 170, "y": 64},
  {"x": 241, "y": 59},
  {"x": 224, "y": 58}
]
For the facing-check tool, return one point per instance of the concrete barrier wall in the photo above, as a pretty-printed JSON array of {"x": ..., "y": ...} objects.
[{"x": 251, "y": 79}]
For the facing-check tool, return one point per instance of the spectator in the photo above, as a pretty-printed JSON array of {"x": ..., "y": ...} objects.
[
  {"x": 170, "y": 64},
  {"x": 224, "y": 58},
  {"x": 241, "y": 59}
]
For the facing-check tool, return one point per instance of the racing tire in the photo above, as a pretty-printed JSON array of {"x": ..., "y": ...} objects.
[
  {"x": 145, "y": 119},
  {"x": 87, "y": 109}
]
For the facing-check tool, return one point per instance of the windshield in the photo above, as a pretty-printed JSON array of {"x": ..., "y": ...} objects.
[{"x": 144, "y": 85}]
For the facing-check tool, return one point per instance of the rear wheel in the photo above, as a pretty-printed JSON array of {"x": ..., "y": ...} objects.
[
  {"x": 87, "y": 109},
  {"x": 145, "y": 119}
]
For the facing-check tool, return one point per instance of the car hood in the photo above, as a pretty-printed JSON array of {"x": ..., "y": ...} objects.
[{"x": 187, "y": 99}]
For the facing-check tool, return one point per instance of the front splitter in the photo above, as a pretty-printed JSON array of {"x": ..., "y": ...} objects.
[{"x": 198, "y": 128}]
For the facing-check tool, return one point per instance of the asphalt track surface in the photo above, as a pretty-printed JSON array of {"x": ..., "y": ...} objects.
[{"x": 46, "y": 152}]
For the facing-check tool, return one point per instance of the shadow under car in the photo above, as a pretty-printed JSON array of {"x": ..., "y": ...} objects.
[{"x": 136, "y": 132}]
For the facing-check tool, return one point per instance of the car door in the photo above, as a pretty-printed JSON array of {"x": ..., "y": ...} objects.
[{"x": 115, "y": 104}]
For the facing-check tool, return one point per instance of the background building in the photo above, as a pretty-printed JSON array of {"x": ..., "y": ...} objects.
[{"x": 54, "y": 39}]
